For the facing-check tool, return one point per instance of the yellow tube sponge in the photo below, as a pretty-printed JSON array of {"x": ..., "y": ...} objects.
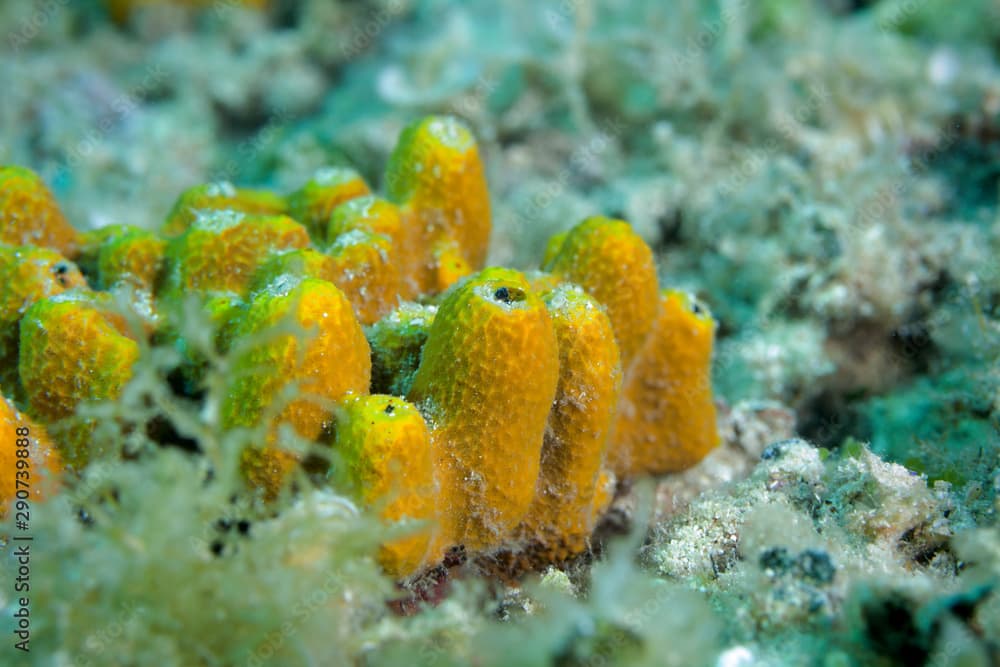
[
  {"x": 314, "y": 202},
  {"x": 135, "y": 256},
  {"x": 666, "y": 419},
  {"x": 222, "y": 311},
  {"x": 30, "y": 215},
  {"x": 604, "y": 494},
  {"x": 73, "y": 348},
  {"x": 436, "y": 176},
  {"x": 380, "y": 216},
  {"x": 199, "y": 200},
  {"x": 396, "y": 341},
  {"x": 27, "y": 274},
  {"x": 561, "y": 517},
  {"x": 29, "y": 464},
  {"x": 385, "y": 451},
  {"x": 553, "y": 246},
  {"x": 542, "y": 281},
  {"x": 221, "y": 251},
  {"x": 90, "y": 244},
  {"x": 449, "y": 264},
  {"x": 300, "y": 263},
  {"x": 359, "y": 263},
  {"x": 371, "y": 214},
  {"x": 616, "y": 267},
  {"x": 486, "y": 382},
  {"x": 327, "y": 357},
  {"x": 364, "y": 269}
]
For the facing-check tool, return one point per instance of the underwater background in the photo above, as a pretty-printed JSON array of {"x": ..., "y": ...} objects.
[{"x": 823, "y": 174}]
